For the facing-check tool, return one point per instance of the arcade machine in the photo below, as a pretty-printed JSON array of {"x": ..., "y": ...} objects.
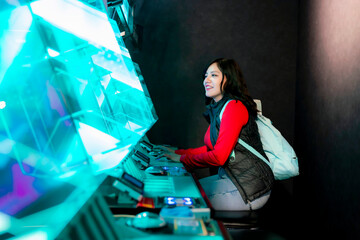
[{"x": 74, "y": 113}]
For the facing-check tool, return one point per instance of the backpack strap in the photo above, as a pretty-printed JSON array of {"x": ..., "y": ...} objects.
[
  {"x": 251, "y": 149},
  {"x": 244, "y": 144},
  {"x": 223, "y": 109}
]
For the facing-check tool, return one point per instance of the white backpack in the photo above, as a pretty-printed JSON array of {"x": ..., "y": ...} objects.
[{"x": 282, "y": 157}]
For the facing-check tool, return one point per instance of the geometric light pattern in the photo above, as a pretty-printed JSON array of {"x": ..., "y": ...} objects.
[{"x": 71, "y": 97}]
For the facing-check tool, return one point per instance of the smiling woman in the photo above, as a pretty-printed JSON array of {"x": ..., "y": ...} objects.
[
  {"x": 243, "y": 182},
  {"x": 213, "y": 82}
]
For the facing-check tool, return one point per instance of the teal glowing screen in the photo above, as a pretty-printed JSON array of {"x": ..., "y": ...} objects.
[{"x": 70, "y": 95}]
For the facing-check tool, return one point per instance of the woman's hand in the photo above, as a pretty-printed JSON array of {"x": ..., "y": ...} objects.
[
  {"x": 173, "y": 156},
  {"x": 165, "y": 149}
]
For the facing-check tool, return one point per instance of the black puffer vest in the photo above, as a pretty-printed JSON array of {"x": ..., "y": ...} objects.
[{"x": 251, "y": 175}]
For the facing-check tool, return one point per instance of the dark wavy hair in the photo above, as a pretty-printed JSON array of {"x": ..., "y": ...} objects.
[{"x": 235, "y": 85}]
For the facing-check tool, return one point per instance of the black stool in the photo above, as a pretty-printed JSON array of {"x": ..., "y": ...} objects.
[
  {"x": 245, "y": 225},
  {"x": 238, "y": 219}
]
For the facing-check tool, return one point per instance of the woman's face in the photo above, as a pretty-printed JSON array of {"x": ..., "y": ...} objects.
[{"x": 212, "y": 81}]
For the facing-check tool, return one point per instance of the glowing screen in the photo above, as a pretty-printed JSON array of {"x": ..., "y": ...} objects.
[{"x": 70, "y": 95}]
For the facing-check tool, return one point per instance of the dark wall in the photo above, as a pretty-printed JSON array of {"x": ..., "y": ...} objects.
[
  {"x": 327, "y": 117},
  {"x": 181, "y": 37}
]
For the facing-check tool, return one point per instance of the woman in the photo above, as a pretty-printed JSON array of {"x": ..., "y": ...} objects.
[{"x": 243, "y": 182}]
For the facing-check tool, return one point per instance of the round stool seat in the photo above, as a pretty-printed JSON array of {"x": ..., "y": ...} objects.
[{"x": 238, "y": 219}]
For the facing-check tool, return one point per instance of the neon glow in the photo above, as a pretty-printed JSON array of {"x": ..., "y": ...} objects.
[
  {"x": 188, "y": 201},
  {"x": 106, "y": 151},
  {"x": 79, "y": 19},
  {"x": 2, "y": 104},
  {"x": 170, "y": 201},
  {"x": 71, "y": 100},
  {"x": 71, "y": 97},
  {"x": 22, "y": 194},
  {"x": 179, "y": 201},
  {"x": 12, "y": 35},
  {"x": 34, "y": 235},
  {"x": 52, "y": 52},
  {"x": 4, "y": 222}
]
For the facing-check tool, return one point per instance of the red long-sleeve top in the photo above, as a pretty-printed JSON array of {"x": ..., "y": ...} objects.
[{"x": 234, "y": 117}]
